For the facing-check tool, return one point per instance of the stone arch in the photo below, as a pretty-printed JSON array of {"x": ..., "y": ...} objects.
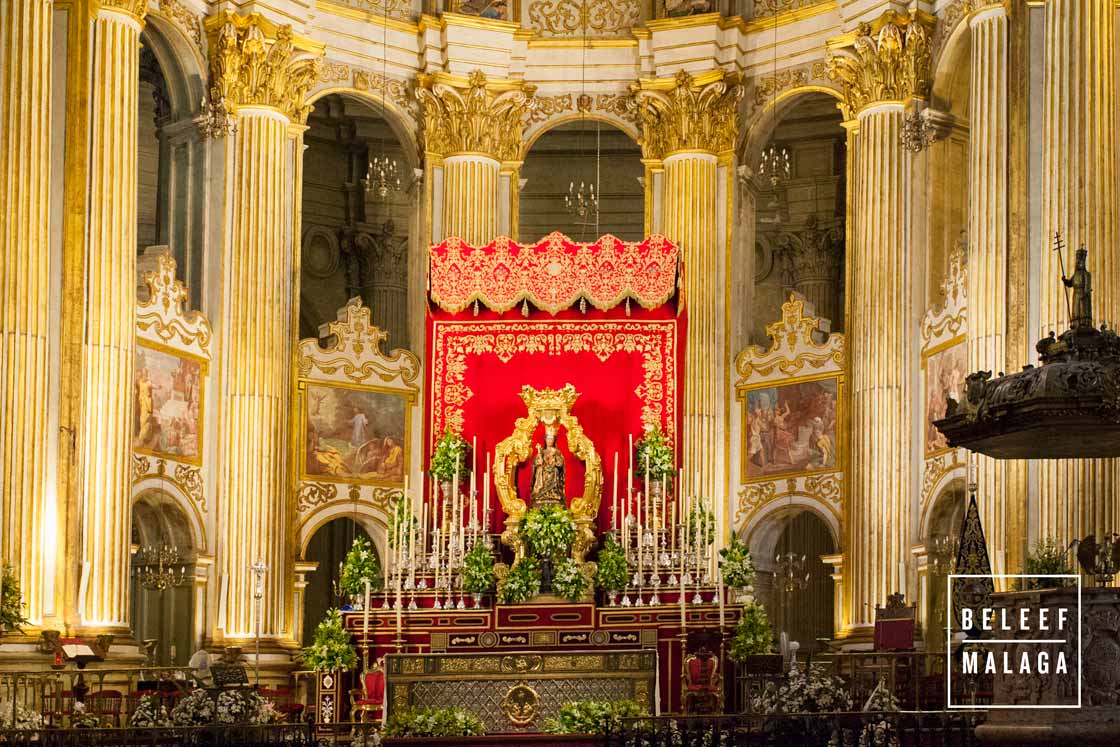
[
  {"x": 181, "y": 62},
  {"x": 950, "y": 481},
  {"x": 762, "y": 531},
  {"x": 955, "y": 48},
  {"x": 373, "y": 520},
  {"x": 401, "y": 122},
  {"x": 761, "y": 126},
  {"x": 154, "y": 486},
  {"x": 551, "y": 124}
]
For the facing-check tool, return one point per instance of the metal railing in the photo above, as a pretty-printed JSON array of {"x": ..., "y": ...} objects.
[{"x": 271, "y": 735}]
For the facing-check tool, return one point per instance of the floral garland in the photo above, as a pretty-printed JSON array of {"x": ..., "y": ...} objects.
[
  {"x": 196, "y": 709},
  {"x": 593, "y": 717},
  {"x": 478, "y": 570},
  {"x": 149, "y": 713},
  {"x": 752, "y": 634},
  {"x": 452, "y": 450},
  {"x": 735, "y": 564},
  {"x": 548, "y": 531},
  {"x": 654, "y": 446},
  {"x": 11, "y": 600},
  {"x": 568, "y": 581},
  {"x": 434, "y": 722},
  {"x": 360, "y": 566},
  {"x": 612, "y": 572},
  {"x": 522, "y": 584},
  {"x": 331, "y": 648}
]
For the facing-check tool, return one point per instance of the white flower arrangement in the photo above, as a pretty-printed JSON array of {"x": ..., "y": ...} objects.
[
  {"x": 880, "y": 733},
  {"x": 196, "y": 709},
  {"x": 149, "y": 713},
  {"x": 20, "y": 718}
]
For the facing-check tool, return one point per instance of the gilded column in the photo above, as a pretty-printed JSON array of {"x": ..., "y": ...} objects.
[
  {"x": 473, "y": 125},
  {"x": 259, "y": 76},
  {"x": 689, "y": 128},
  {"x": 1078, "y": 496},
  {"x": 987, "y": 255},
  {"x": 105, "y": 424},
  {"x": 883, "y": 66},
  {"x": 25, "y": 94}
]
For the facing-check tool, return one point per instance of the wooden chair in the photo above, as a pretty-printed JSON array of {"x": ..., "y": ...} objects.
[
  {"x": 370, "y": 697},
  {"x": 703, "y": 684},
  {"x": 894, "y": 625},
  {"x": 106, "y": 705}
]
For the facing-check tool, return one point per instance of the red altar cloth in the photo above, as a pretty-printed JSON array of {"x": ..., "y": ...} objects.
[{"x": 626, "y": 366}]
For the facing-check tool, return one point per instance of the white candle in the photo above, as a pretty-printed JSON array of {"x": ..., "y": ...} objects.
[
  {"x": 365, "y": 617},
  {"x": 614, "y": 499},
  {"x": 474, "y": 457},
  {"x": 719, "y": 591},
  {"x": 647, "y": 476}
]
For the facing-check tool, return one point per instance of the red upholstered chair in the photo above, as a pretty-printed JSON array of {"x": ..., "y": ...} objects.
[
  {"x": 894, "y": 625},
  {"x": 370, "y": 697},
  {"x": 106, "y": 704},
  {"x": 702, "y": 683}
]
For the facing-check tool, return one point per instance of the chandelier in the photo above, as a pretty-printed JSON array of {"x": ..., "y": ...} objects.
[
  {"x": 382, "y": 176},
  {"x": 943, "y": 553},
  {"x": 160, "y": 567},
  {"x": 790, "y": 572},
  {"x": 582, "y": 203},
  {"x": 774, "y": 165}
]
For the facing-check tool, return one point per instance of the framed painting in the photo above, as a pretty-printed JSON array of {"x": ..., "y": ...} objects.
[
  {"x": 167, "y": 403},
  {"x": 792, "y": 427},
  {"x": 945, "y": 368},
  {"x": 355, "y": 434}
]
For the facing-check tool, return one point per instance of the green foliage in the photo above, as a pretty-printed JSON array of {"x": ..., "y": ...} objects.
[
  {"x": 359, "y": 566},
  {"x": 593, "y": 717},
  {"x": 11, "y": 600},
  {"x": 548, "y": 531},
  {"x": 735, "y": 564},
  {"x": 752, "y": 634},
  {"x": 660, "y": 453},
  {"x": 451, "y": 449},
  {"x": 331, "y": 648},
  {"x": 434, "y": 722},
  {"x": 522, "y": 584},
  {"x": 702, "y": 523},
  {"x": 612, "y": 573},
  {"x": 1048, "y": 557},
  {"x": 568, "y": 581},
  {"x": 401, "y": 515},
  {"x": 478, "y": 570}
]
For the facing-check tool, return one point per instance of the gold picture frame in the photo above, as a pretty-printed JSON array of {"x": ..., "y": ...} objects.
[
  {"x": 138, "y": 428},
  {"x": 932, "y": 366}
]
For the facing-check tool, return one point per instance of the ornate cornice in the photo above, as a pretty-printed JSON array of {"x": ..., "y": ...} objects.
[
  {"x": 887, "y": 60},
  {"x": 254, "y": 62},
  {"x": 138, "y": 9},
  {"x": 475, "y": 114},
  {"x": 688, "y": 112}
]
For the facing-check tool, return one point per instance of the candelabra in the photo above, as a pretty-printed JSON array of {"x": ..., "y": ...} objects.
[
  {"x": 943, "y": 554},
  {"x": 774, "y": 165},
  {"x": 259, "y": 568},
  {"x": 582, "y": 203},
  {"x": 160, "y": 567},
  {"x": 790, "y": 572},
  {"x": 382, "y": 176}
]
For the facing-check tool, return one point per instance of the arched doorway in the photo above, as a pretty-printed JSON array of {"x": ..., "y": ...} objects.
[
  {"x": 327, "y": 547},
  {"x": 163, "y": 594},
  {"x": 941, "y": 543},
  {"x": 585, "y": 152},
  {"x": 358, "y": 208}
]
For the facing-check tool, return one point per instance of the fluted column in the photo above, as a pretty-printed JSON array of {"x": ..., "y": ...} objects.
[
  {"x": 879, "y": 72},
  {"x": 259, "y": 75},
  {"x": 471, "y": 127},
  {"x": 690, "y": 125},
  {"x": 1078, "y": 496},
  {"x": 105, "y": 430},
  {"x": 987, "y": 260},
  {"x": 25, "y": 94}
]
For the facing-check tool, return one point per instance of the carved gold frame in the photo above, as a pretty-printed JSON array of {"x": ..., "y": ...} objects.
[{"x": 548, "y": 407}]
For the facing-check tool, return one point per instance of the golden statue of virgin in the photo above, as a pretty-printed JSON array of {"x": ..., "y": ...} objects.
[{"x": 548, "y": 472}]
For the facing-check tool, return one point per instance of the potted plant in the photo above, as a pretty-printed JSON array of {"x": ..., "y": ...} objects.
[
  {"x": 359, "y": 567},
  {"x": 569, "y": 580},
  {"x": 737, "y": 569},
  {"x": 478, "y": 572},
  {"x": 612, "y": 573},
  {"x": 451, "y": 456},
  {"x": 331, "y": 650},
  {"x": 1047, "y": 558},
  {"x": 752, "y": 641},
  {"x": 11, "y": 601},
  {"x": 653, "y": 457},
  {"x": 593, "y": 717}
]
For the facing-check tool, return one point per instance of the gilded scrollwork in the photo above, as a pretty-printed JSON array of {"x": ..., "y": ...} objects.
[
  {"x": 254, "y": 62},
  {"x": 548, "y": 107},
  {"x": 190, "y": 23},
  {"x": 474, "y": 115},
  {"x": 141, "y": 465},
  {"x": 689, "y": 112},
  {"x": 312, "y": 494},
  {"x": 354, "y": 351},
  {"x": 794, "y": 345},
  {"x": 189, "y": 479},
  {"x": 549, "y": 407},
  {"x": 888, "y": 60},
  {"x": 827, "y": 489},
  {"x": 948, "y": 319},
  {"x": 162, "y": 317},
  {"x": 622, "y": 105},
  {"x": 591, "y": 17},
  {"x": 135, "y": 8},
  {"x": 392, "y": 89}
]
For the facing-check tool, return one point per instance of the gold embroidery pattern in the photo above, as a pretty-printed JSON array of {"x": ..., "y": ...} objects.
[
  {"x": 553, "y": 274},
  {"x": 654, "y": 340}
]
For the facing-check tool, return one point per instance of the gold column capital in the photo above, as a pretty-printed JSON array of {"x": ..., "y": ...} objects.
[
  {"x": 255, "y": 62},
  {"x": 886, "y": 60},
  {"x": 474, "y": 114},
  {"x": 688, "y": 112},
  {"x": 138, "y": 9}
]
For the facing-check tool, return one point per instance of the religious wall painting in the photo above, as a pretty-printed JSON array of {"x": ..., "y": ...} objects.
[
  {"x": 791, "y": 428},
  {"x": 355, "y": 434},
  {"x": 167, "y": 394},
  {"x": 497, "y": 10},
  {"x": 945, "y": 368}
]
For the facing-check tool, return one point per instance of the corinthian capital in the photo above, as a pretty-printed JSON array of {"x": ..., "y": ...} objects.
[
  {"x": 254, "y": 62},
  {"x": 688, "y": 112},
  {"x": 138, "y": 9},
  {"x": 887, "y": 60},
  {"x": 474, "y": 114}
]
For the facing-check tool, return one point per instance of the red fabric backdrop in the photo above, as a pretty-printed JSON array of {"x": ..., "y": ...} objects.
[{"x": 624, "y": 367}]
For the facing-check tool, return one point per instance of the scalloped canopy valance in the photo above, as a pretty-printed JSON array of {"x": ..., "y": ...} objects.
[{"x": 552, "y": 274}]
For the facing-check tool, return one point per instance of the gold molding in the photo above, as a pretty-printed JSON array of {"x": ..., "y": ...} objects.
[
  {"x": 474, "y": 114},
  {"x": 886, "y": 60},
  {"x": 366, "y": 16},
  {"x": 688, "y": 112},
  {"x": 138, "y": 9},
  {"x": 254, "y": 62}
]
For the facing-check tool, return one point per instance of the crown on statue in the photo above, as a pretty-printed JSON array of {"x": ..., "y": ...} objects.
[{"x": 549, "y": 405}]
